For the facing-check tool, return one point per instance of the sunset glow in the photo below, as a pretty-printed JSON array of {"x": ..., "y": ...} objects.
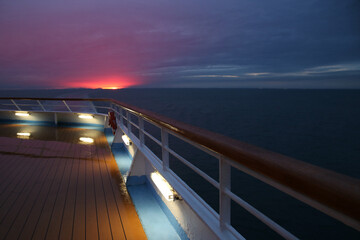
[
  {"x": 102, "y": 82},
  {"x": 113, "y": 88}
]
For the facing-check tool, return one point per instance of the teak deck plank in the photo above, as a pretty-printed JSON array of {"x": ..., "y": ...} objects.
[
  {"x": 54, "y": 227},
  {"x": 91, "y": 212},
  {"x": 103, "y": 218},
  {"x": 80, "y": 217},
  {"x": 61, "y": 189},
  {"x": 66, "y": 230}
]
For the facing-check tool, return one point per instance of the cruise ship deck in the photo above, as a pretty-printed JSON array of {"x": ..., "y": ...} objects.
[
  {"x": 55, "y": 186},
  {"x": 62, "y": 181}
]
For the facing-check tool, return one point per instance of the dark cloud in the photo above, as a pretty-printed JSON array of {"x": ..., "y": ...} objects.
[{"x": 180, "y": 44}]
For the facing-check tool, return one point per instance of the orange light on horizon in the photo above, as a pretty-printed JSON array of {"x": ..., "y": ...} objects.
[
  {"x": 112, "y": 88},
  {"x": 102, "y": 82}
]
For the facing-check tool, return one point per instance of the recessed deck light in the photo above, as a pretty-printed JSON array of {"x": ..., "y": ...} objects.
[
  {"x": 126, "y": 140},
  {"x": 163, "y": 186},
  {"x": 22, "y": 114},
  {"x": 24, "y": 134},
  {"x": 86, "y": 140},
  {"x": 86, "y": 116}
]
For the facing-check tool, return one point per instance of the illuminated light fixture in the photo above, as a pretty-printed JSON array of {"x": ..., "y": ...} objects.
[
  {"x": 163, "y": 186},
  {"x": 86, "y": 140},
  {"x": 86, "y": 116},
  {"x": 22, "y": 114},
  {"x": 126, "y": 140},
  {"x": 23, "y": 134}
]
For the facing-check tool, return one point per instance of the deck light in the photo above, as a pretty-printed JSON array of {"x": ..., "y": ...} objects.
[
  {"x": 126, "y": 140},
  {"x": 163, "y": 186},
  {"x": 23, "y": 134},
  {"x": 86, "y": 116},
  {"x": 22, "y": 114},
  {"x": 86, "y": 140}
]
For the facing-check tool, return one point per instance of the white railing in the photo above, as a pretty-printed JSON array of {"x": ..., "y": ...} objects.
[
  {"x": 162, "y": 165},
  {"x": 53, "y": 105}
]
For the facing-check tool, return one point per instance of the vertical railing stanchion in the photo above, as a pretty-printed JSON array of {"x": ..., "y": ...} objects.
[
  {"x": 164, "y": 145},
  {"x": 55, "y": 119},
  {"x": 141, "y": 131},
  {"x": 128, "y": 122},
  {"x": 93, "y": 106},
  {"x": 225, "y": 183},
  {"x": 121, "y": 118}
]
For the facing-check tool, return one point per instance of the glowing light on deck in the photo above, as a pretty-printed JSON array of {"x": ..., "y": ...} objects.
[
  {"x": 86, "y": 140},
  {"x": 24, "y": 134},
  {"x": 86, "y": 116},
  {"x": 163, "y": 186},
  {"x": 22, "y": 114},
  {"x": 126, "y": 140}
]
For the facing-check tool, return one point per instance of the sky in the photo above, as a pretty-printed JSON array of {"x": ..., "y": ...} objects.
[{"x": 187, "y": 43}]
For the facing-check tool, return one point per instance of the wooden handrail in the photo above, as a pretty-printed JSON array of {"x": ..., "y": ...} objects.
[{"x": 332, "y": 193}]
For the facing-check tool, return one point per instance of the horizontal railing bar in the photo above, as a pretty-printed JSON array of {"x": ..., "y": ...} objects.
[
  {"x": 134, "y": 124},
  {"x": 60, "y": 99},
  {"x": 194, "y": 168},
  {"x": 326, "y": 189},
  {"x": 40, "y": 111},
  {"x": 102, "y": 107},
  {"x": 50, "y": 105},
  {"x": 259, "y": 215},
  {"x": 19, "y": 104},
  {"x": 152, "y": 137}
]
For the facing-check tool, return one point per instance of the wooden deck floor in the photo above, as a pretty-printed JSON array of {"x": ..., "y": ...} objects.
[{"x": 62, "y": 189}]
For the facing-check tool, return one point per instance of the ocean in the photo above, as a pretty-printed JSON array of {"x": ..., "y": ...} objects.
[{"x": 320, "y": 127}]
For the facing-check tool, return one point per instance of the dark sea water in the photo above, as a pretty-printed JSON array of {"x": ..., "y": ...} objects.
[{"x": 321, "y": 127}]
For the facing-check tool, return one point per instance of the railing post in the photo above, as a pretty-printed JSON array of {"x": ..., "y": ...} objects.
[
  {"x": 164, "y": 145},
  {"x": 225, "y": 183},
  {"x": 128, "y": 122},
  {"x": 121, "y": 117},
  {"x": 93, "y": 106},
  {"x": 141, "y": 131},
  {"x": 55, "y": 119}
]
